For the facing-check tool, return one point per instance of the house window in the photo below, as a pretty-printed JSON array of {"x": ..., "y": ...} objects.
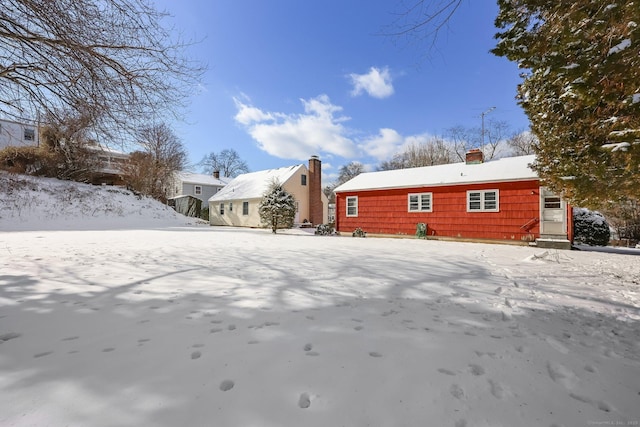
[
  {"x": 245, "y": 208},
  {"x": 303, "y": 179},
  {"x": 221, "y": 208},
  {"x": 352, "y": 206},
  {"x": 198, "y": 189},
  {"x": 29, "y": 134},
  {"x": 419, "y": 202},
  {"x": 483, "y": 201},
  {"x": 552, "y": 202},
  {"x": 230, "y": 206}
]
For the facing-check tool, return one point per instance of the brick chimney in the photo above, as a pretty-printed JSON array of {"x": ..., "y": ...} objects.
[
  {"x": 315, "y": 191},
  {"x": 216, "y": 174},
  {"x": 474, "y": 157}
]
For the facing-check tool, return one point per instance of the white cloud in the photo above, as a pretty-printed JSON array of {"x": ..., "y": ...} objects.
[
  {"x": 384, "y": 145},
  {"x": 298, "y": 136},
  {"x": 377, "y": 83}
]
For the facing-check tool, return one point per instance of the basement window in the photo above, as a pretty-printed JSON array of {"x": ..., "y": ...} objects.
[
  {"x": 419, "y": 202},
  {"x": 29, "y": 134},
  {"x": 352, "y": 206},
  {"x": 483, "y": 201}
]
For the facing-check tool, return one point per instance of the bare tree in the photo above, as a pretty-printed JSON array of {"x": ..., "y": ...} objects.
[
  {"x": 151, "y": 170},
  {"x": 422, "y": 20},
  {"x": 227, "y": 162},
  {"x": 434, "y": 151},
  {"x": 464, "y": 139},
  {"x": 69, "y": 151},
  {"x": 522, "y": 143},
  {"x": 110, "y": 60},
  {"x": 349, "y": 171}
]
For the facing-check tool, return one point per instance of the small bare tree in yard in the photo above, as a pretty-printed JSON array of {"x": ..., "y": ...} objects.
[
  {"x": 150, "y": 170},
  {"x": 110, "y": 60},
  {"x": 277, "y": 208},
  {"x": 227, "y": 162}
]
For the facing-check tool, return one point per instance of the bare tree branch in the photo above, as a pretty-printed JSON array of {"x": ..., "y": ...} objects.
[{"x": 112, "y": 60}]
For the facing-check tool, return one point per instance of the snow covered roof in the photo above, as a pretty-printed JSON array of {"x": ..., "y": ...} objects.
[
  {"x": 200, "y": 178},
  {"x": 253, "y": 185},
  {"x": 506, "y": 169}
]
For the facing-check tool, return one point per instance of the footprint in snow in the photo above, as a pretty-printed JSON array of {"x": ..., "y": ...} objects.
[
  {"x": 497, "y": 390},
  {"x": 456, "y": 391},
  {"x": 196, "y": 355},
  {"x": 231, "y": 327},
  {"x": 215, "y": 330},
  {"x": 476, "y": 370},
  {"x": 45, "y": 353},
  {"x": 9, "y": 336},
  {"x": 227, "y": 385},
  {"x": 358, "y": 328},
  {"x": 446, "y": 371},
  {"x": 217, "y": 322},
  {"x": 70, "y": 338},
  {"x": 108, "y": 349},
  {"x": 304, "y": 401},
  {"x": 374, "y": 354},
  {"x": 308, "y": 347}
]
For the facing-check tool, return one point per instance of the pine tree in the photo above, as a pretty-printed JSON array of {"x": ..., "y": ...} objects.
[
  {"x": 581, "y": 92},
  {"x": 277, "y": 208}
]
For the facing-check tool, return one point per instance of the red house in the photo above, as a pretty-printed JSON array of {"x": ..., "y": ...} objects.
[{"x": 500, "y": 200}]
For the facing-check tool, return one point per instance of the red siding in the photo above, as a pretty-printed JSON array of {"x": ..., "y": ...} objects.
[{"x": 386, "y": 212}]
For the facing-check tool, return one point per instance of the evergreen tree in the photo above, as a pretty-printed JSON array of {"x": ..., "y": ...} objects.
[
  {"x": 581, "y": 92},
  {"x": 277, "y": 208}
]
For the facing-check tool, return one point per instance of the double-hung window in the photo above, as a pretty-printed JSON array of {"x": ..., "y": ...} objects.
[
  {"x": 29, "y": 134},
  {"x": 221, "y": 208},
  {"x": 483, "y": 201},
  {"x": 197, "y": 189},
  {"x": 245, "y": 208},
  {"x": 230, "y": 206},
  {"x": 352, "y": 206},
  {"x": 419, "y": 202}
]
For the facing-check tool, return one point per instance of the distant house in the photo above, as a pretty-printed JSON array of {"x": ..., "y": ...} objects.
[
  {"x": 496, "y": 200},
  {"x": 237, "y": 203},
  {"x": 110, "y": 162},
  {"x": 19, "y": 134},
  {"x": 198, "y": 185}
]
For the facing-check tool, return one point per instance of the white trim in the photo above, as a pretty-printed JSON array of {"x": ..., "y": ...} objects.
[
  {"x": 355, "y": 206},
  {"x": 197, "y": 190},
  {"x": 482, "y": 201},
  {"x": 420, "y": 203}
]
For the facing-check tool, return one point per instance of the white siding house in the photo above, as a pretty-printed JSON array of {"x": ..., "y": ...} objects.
[{"x": 15, "y": 134}]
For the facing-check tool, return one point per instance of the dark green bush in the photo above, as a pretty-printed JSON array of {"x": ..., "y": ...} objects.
[{"x": 590, "y": 228}]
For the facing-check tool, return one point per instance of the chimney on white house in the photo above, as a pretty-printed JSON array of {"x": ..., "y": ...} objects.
[
  {"x": 216, "y": 174},
  {"x": 315, "y": 191},
  {"x": 474, "y": 156}
]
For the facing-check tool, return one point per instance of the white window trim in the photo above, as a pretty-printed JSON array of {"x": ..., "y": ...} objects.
[
  {"x": 197, "y": 189},
  {"x": 245, "y": 204},
  {"x": 221, "y": 208},
  {"x": 420, "y": 196},
  {"x": 482, "y": 200},
  {"x": 347, "y": 206}
]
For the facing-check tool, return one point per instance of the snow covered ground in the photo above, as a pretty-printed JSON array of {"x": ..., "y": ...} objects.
[{"x": 104, "y": 322}]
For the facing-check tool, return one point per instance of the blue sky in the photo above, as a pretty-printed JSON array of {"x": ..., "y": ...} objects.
[{"x": 288, "y": 79}]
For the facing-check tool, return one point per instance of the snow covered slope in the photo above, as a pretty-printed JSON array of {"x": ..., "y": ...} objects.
[{"x": 32, "y": 203}]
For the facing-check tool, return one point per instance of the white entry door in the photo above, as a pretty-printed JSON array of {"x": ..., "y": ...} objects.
[{"x": 553, "y": 213}]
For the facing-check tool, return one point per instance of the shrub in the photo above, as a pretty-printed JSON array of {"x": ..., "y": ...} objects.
[
  {"x": 590, "y": 227},
  {"x": 359, "y": 232},
  {"x": 324, "y": 230}
]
